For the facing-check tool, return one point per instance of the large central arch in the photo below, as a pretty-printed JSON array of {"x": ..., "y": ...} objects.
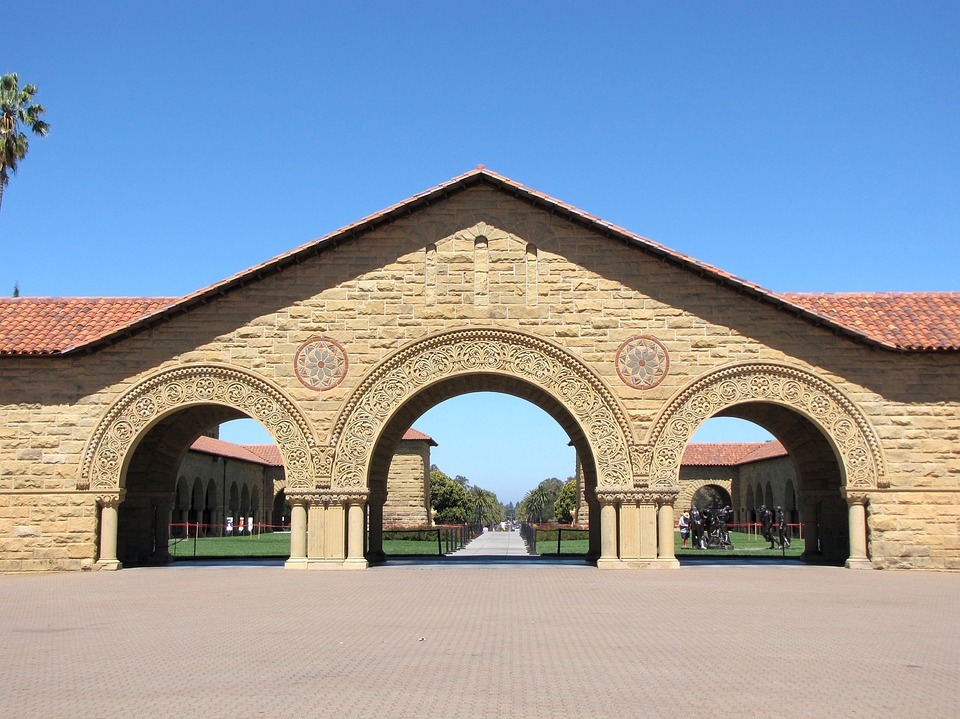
[
  {"x": 486, "y": 351},
  {"x": 459, "y": 361}
]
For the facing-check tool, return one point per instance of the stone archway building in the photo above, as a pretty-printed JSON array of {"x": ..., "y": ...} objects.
[{"x": 481, "y": 284}]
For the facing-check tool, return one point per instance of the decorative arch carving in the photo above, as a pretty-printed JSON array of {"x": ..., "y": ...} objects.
[
  {"x": 816, "y": 399},
  {"x": 482, "y": 229},
  {"x": 140, "y": 407},
  {"x": 487, "y": 351}
]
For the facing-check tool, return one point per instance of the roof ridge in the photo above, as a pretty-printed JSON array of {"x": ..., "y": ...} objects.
[{"x": 784, "y": 301}]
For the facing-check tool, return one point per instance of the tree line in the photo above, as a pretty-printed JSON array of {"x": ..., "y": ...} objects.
[{"x": 456, "y": 501}]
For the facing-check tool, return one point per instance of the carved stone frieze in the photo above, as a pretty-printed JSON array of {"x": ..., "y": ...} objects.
[
  {"x": 489, "y": 351},
  {"x": 171, "y": 390},
  {"x": 817, "y": 400},
  {"x": 626, "y": 495}
]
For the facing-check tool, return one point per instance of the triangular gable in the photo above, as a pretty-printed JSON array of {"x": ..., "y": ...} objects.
[{"x": 832, "y": 316}]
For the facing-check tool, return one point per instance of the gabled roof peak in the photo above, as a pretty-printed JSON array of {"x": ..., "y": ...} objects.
[{"x": 895, "y": 327}]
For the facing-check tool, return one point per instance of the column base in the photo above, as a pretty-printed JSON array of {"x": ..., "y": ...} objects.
[
  {"x": 355, "y": 564},
  {"x": 107, "y": 565},
  {"x": 610, "y": 564},
  {"x": 295, "y": 563},
  {"x": 671, "y": 563},
  {"x": 858, "y": 564}
]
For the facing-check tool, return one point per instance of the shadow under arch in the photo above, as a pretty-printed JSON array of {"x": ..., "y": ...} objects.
[
  {"x": 144, "y": 434},
  {"x": 835, "y": 450}
]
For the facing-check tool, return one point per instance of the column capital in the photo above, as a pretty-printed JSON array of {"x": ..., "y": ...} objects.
[
  {"x": 631, "y": 495},
  {"x": 856, "y": 497},
  {"x": 111, "y": 499}
]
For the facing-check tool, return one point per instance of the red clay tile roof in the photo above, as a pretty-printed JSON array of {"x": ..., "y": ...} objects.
[
  {"x": 936, "y": 327},
  {"x": 219, "y": 448},
  {"x": 269, "y": 453},
  {"x": 49, "y": 325},
  {"x": 905, "y": 320},
  {"x": 416, "y": 435},
  {"x": 730, "y": 454}
]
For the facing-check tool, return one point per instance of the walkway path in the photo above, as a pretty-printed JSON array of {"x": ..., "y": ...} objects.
[{"x": 494, "y": 544}]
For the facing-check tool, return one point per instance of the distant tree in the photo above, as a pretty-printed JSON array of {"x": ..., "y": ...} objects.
[
  {"x": 17, "y": 112},
  {"x": 486, "y": 507},
  {"x": 567, "y": 502},
  {"x": 450, "y": 501},
  {"x": 538, "y": 504}
]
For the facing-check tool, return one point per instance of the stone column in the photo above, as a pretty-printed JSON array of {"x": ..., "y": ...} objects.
[
  {"x": 631, "y": 530},
  {"x": 666, "y": 556},
  {"x": 298, "y": 533},
  {"x": 648, "y": 528},
  {"x": 857, "y": 508},
  {"x": 355, "y": 534},
  {"x": 108, "y": 505},
  {"x": 608, "y": 533}
]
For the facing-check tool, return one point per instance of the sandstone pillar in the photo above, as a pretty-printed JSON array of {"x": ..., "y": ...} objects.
[
  {"x": 108, "y": 531},
  {"x": 298, "y": 533},
  {"x": 608, "y": 534},
  {"x": 857, "y": 508},
  {"x": 355, "y": 534},
  {"x": 648, "y": 528},
  {"x": 665, "y": 536},
  {"x": 630, "y": 531}
]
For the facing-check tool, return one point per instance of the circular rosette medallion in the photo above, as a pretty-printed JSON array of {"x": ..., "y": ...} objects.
[
  {"x": 321, "y": 363},
  {"x": 642, "y": 362}
]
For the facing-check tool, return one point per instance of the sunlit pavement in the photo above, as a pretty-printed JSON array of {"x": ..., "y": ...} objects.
[
  {"x": 521, "y": 640},
  {"x": 494, "y": 544}
]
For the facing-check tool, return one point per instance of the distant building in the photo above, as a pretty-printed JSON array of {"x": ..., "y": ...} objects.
[{"x": 223, "y": 484}]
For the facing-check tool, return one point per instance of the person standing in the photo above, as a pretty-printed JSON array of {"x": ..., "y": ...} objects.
[{"x": 683, "y": 524}]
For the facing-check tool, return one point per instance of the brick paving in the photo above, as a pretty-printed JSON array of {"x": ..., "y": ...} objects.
[{"x": 529, "y": 639}]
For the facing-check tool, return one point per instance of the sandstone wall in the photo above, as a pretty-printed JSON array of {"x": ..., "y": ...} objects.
[{"x": 484, "y": 258}]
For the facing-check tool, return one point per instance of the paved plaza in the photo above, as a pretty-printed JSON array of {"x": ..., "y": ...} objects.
[{"x": 522, "y": 639}]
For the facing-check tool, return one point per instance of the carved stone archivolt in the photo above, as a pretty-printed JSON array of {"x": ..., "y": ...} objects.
[
  {"x": 146, "y": 403},
  {"x": 488, "y": 351},
  {"x": 817, "y": 400}
]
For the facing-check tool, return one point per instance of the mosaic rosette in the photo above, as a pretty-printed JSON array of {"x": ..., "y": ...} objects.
[
  {"x": 321, "y": 363},
  {"x": 642, "y": 362}
]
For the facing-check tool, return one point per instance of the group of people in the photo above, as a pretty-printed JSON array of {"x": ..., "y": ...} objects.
[
  {"x": 774, "y": 521},
  {"x": 706, "y": 528}
]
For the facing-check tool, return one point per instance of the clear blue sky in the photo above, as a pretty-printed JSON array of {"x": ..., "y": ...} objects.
[{"x": 803, "y": 146}]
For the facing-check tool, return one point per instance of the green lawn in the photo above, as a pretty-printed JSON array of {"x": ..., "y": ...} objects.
[
  {"x": 277, "y": 544},
  {"x": 744, "y": 545},
  {"x": 270, "y": 544}
]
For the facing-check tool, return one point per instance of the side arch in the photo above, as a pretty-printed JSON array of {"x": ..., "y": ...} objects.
[
  {"x": 157, "y": 397},
  {"x": 820, "y": 402},
  {"x": 480, "y": 351}
]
